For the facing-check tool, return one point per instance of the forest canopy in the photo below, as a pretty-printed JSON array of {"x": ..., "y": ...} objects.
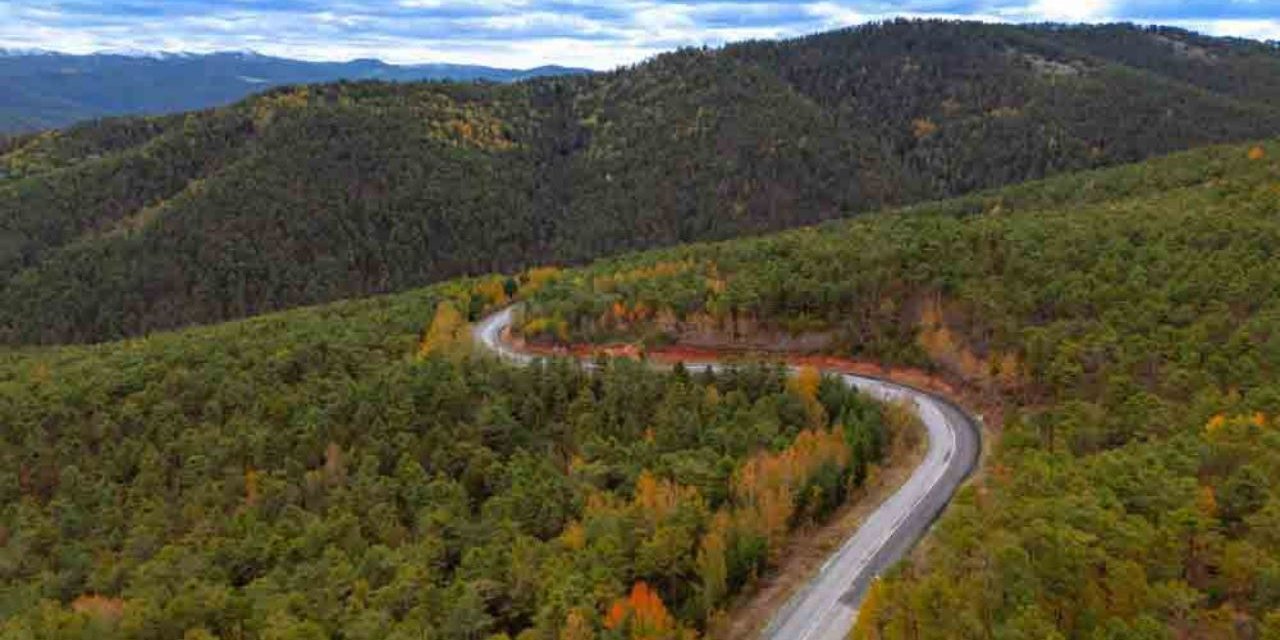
[
  {"x": 352, "y": 471},
  {"x": 314, "y": 193},
  {"x": 355, "y": 471},
  {"x": 1127, "y": 320}
]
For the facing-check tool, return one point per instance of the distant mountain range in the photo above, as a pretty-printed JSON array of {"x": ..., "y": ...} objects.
[{"x": 45, "y": 89}]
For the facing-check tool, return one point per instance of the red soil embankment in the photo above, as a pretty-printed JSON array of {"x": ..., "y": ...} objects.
[{"x": 970, "y": 396}]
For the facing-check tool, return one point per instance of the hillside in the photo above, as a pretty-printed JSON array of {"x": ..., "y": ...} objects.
[
  {"x": 308, "y": 194},
  {"x": 1123, "y": 323},
  {"x": 349, "y": 470},
  {"x": 45, "y": 90}
]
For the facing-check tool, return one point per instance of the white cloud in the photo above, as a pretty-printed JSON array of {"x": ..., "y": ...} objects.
[
  {"x": 599, "y": 34},
  {"x": 531, "y": 20},
  {"x": 1255, "y": 29},
  {"x": 1071, "y": 10},
  {"x": 835, "y": 15}
]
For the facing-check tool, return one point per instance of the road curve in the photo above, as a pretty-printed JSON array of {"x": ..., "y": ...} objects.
[{"x": 825, "y": 609}]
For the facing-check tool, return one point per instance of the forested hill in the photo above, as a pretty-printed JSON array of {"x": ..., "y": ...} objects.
[
  {"x": 1126, "y": 323},
  {"x": 312, "y": 193},
  {"x": 45, "y": 89},
  {"x": 350, "y": 471}
]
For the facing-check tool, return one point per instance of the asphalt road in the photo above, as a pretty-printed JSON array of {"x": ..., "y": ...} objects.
[{"x": 827, "y": 607}]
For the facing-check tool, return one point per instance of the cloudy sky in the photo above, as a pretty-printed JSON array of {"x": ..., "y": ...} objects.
[{"x": 523, "y": 33}]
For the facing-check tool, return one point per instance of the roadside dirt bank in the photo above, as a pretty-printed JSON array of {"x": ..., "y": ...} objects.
[{"x": 809, "y": 548}]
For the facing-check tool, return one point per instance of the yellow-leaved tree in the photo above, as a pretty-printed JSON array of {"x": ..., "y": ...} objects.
[
  {"x": 447, "y": 333},
  {"x": 867, "y": 626},
  {"x": 577, "y": 627},
  {"x": 712, "y": 565},
  {"x": 805, "y": 384}
]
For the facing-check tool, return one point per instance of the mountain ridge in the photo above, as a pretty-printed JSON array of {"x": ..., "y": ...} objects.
[
  {"x": 309, "y": 193},
  {"x": 55, "y": 89}
]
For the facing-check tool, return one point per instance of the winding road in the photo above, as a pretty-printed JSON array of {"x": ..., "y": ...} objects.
[{"x": 826, "y": 608}]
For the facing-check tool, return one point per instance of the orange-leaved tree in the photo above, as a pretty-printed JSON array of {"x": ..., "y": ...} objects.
[{"x": 642, "y": 615}]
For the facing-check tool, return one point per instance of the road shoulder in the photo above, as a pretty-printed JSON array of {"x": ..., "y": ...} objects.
[{"x": 808, "y": 549}]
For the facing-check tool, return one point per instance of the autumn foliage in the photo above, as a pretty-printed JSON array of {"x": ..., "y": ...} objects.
[
  {"x": 642, "y": 615},
  {"x": 657, "y": 498},
  {"x": 538, "y": 277},
  {"x": 492, "y": 291},
  {"x": 724, "y": 539},
  {"x": 767, "y": 486},
  {"x": 447, "y": 330},
  {"x": 952, "y": 350},
  {"x": 865, "y": 628}
]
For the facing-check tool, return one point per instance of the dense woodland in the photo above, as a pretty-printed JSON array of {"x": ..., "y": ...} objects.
[
  {"x": 1129, "y": 322},
  {"x": 312, "y": 193},
  {"x": 353, "y": 471}
]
